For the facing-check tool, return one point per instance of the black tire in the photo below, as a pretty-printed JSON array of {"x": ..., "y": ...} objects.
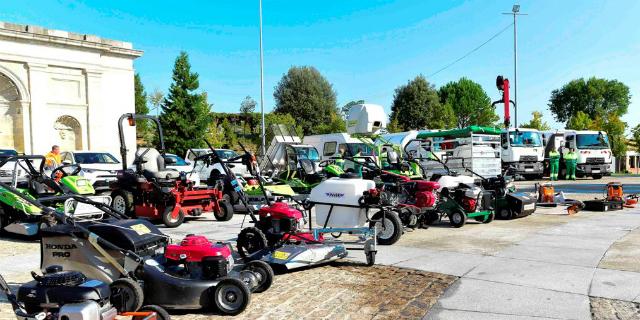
[
  {"x": 489, "y": 218},
  {"x": 505, "y": 213},
  {"x": 390, "y": 228},
  {"x": 169, "y": 221},
  {"x": 4, "y": 218},
  {"x": 371, "y": 258},
  {"x": 161, "y": 314},
  {"x": 226, "y": 211},
  {"x": 250, "y": 240},
  {"x": 597, "y": 176},
  {"x": 457, "y": 218},
  {"x": 265, "y": 273},
  {"x": 122, "y": 202},
  {"x": 431, "y": 217},
  {"x": 231, "y": 296},
  {"x": 126, "y": 295}
]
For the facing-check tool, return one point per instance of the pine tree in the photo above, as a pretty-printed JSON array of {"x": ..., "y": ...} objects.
[{"x": 185, "y": 112}]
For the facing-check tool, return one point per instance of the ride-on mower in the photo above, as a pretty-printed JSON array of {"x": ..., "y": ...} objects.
[
  {"x": 151, "y": 191},
  {"x": 137, "y": 262}
]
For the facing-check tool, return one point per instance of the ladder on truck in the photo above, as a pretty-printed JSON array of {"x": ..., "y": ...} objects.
[{"x": 282, "y": 135}]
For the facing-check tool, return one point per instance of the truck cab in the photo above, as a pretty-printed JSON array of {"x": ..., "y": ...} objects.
[
  {"x": 592, "y": 148},
  {"x": 523, "y": 152}
]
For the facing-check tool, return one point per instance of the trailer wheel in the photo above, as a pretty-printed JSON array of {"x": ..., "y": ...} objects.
[
  {"x": 170, "y": 221},
  {"x": 389, "y": 226},
  {"x": 226, "y": 211},
  {"x": 161, "y": 314},
  {"x": 126, "y": 295},
  {"x": 265, "y": 274},
  {"x": 231, "y": 296},
  {"x": 122, "y": 202},
  {"x": 250, "y": 240},
  {"x": 457, "y": 218},
  {"x": 505, "y": 213},
  {"x": 371, "y": 258}
]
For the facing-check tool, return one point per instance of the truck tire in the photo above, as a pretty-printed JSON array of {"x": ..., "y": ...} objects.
[{"x": 597, "y": 176}]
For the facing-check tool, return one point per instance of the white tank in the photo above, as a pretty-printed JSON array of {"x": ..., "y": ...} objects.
[
  {"x": 453, "y": 181},
  {"x": 366, "y": 119},
  {"x": 340, "y": 191}
]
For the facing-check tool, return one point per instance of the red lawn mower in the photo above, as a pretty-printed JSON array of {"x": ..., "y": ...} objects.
[{"x": 151, "y": 191}]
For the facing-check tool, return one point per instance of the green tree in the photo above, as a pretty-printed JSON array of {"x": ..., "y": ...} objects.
[
  {"x": 155, "y": 99},
  {"x": 345, "y": 109},
  {"x": 594, "y": 97},
  {"x": 144, "y": 131},
  {"x": 247, "y": 107},
  {"x": 307, "y": 96},
  {"x": 394, "y": 126},
  {"x": 230, "y": 136},
  {"x": 337, "y": 124},
  {"x": 635, "y": 136},
  {"x": 536, "y": 122},
  {"x": 416, "y": 106},
  {"x": 470, "y": 104},
  {"x": 214, "y": 134},
  {"x": 580, "y": 121},
  {"x": 615, "y": 128},
  {"x": 185, "y": 112}
]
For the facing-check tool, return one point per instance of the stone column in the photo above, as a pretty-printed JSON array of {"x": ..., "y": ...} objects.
[
  {"x": 40, "y": 116},
  {"x": 94, "y": 104},
  {"x": 25, "y": 115}
]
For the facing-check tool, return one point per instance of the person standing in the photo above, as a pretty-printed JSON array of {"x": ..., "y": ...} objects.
[
  {"x": 53, "y": 158},
  {"x": 571, "y": 161},
  {"x": 554, "y": 164}
]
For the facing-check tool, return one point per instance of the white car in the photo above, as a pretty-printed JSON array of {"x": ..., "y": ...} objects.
[
  {"x": 6, "y": 171},
  {"x": 99, "y": 167},
  {"x": 204, "y": 171},
  {"x": 182, "y": 165}
]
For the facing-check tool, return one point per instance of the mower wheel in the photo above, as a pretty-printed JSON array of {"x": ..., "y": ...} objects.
[
  {"x": 505, "y": 213},
  {"x": 250, "y": 240},
  {"x": 226, "y": 211},
  {"x": 126, "y": 295},
  {"x": 390, "y": 228},
  {"x": 489, "y": 218},
  {"x": 161, "y": 314},
  {"x": 231, "y": 296},
  {"x": 371, "y": 258},
  {"x": 122, "y": 202},
  {"x": 431, "y": 217},
  {"x": 170, "y": 221},
  {"x": 265, "y": 273},
  {"x": 457, "y": 218}
]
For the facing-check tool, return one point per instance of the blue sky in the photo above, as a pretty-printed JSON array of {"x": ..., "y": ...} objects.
[{"x": 365, "y": 48}]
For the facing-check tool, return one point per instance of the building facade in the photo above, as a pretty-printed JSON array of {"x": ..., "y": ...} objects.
[{"x": 64, "y": 88}]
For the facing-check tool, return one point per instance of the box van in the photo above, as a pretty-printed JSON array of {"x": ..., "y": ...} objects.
[{"x": 592, "y": 148}]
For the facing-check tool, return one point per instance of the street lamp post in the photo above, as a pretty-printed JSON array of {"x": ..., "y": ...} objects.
[
  {"x": 262, "y": 84},
  {"x": 515, "y": 11}
]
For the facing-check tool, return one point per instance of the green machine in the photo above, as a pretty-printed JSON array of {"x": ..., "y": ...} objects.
[{"x": 20, "y": 217}]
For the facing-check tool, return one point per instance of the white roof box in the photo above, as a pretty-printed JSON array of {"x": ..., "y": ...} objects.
[{"x": 366, "y": 119}]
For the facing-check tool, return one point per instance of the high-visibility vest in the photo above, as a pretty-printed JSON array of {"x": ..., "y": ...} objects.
[
  {"x": 570, "y": 156},
  {"x": 554, "y": 155}
]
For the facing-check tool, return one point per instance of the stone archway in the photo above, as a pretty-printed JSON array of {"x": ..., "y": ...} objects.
[
  {"x": 11, "y": 126},
  {"x": 68, "y": 133}
]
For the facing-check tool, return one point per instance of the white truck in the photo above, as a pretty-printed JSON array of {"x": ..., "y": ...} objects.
[
  {"x": 592, "y": 148},
  {"x": 523, "y": 152}
]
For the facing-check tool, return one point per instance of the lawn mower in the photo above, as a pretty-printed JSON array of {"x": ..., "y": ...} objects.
[
  {"x": 140, "y": 265},
  {"x": 152, "y": 192},
  {"x": 20, "y": 217},
  {"x": 70, "y": 295}
]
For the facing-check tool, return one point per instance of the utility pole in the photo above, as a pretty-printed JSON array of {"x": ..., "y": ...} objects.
[
  {"x": 264, "y": 151},
  {"x": 515, "y": 11}
]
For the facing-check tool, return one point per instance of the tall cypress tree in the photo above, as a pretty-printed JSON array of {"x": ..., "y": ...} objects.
[{"x": 185, "y": 112}]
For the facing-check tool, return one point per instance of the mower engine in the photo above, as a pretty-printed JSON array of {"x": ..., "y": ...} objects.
[
  {"x": 468, "y": 197},
  {"x": 425, "y": 193},
  {"x": 68, "y": 295},
  {"x": 279, "y": 219},
  {"x": 201, "y": 258}
]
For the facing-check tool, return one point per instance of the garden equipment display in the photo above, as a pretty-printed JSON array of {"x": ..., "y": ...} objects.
[
  {"x": 152, "y": 192},
  {"x": 548, "y": 197},
  {"x": 614, "y": 199},
  {"x": 69, "y": 295},
  {"x": 126, "y": 253}
]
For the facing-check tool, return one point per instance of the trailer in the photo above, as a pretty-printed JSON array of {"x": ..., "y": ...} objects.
[
  {"x": 592, "y": 148},
  {"x": 523, "y": 152}
]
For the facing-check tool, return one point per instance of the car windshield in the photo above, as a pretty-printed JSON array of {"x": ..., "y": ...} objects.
[
  {"x": 95, "y": 157},
  {"x": 178, "y": 160},
  {"x": 525, "y": 139},
  {"x": 309, "y": 153},
  {"x": 226, "y": 154},
  {"x": 6, "y": 153},
  {"x": 360, "y": 149},
  {"x": 592, "y": 141}
]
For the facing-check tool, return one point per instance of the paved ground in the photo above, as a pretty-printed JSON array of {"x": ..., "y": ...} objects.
[{"x": 548, "y": 265}]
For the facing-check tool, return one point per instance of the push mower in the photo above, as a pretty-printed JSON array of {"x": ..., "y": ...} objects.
[
  {"x": 135, "y": 258},
  {"x": 70, "y": 295},
  {"x": 152, "y": 192}
]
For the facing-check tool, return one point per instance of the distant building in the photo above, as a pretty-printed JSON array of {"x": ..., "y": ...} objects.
[{"x": 59, "y": 87}]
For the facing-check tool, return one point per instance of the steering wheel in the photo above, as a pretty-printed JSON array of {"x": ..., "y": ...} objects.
[
  {"x": 63, "y": 173},
  {"x": 325, "y": 163}
]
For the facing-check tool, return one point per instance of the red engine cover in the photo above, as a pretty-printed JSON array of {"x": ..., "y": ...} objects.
[
  {"x": 280, "y": 210},
  {"x": 469, "y": 204},
  {"x": 422, "y": 185},
  {"x": 196, "y": 248},
  {"x": 425, "y": 199}
]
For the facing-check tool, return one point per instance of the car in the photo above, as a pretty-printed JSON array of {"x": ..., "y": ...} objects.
[
  {"x": 98, "y": 166},
  {"x": 6, "y": 171},
  {"x": 204, "y": 171},
  {"x": 182, "y": 165}
]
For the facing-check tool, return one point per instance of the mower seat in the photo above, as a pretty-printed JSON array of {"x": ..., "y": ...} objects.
[{"x": 153, "y": 165}]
